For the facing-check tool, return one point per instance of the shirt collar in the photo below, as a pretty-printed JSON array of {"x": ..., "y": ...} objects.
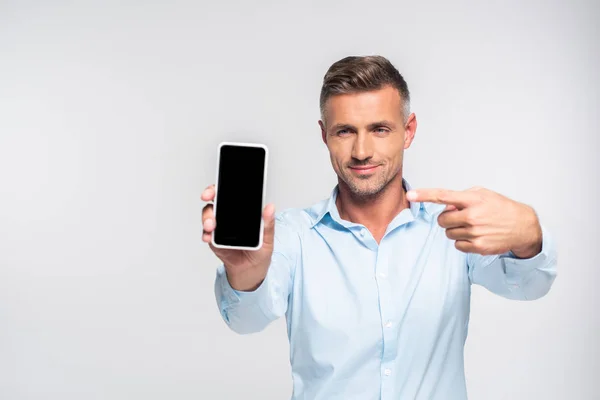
[{"x": 328, "y": 207}]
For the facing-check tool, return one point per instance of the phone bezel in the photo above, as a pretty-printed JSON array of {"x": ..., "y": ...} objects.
[{"x": 215, "y": 201}]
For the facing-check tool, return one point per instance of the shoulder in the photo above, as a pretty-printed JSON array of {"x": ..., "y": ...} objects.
[
  {"x": 293, "y": 219},
  {"x": 302, "y": 219}
]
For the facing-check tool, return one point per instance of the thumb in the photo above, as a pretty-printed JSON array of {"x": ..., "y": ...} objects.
[
  {"x": 450, "y": 207},
  {"x": 269, "y": 218}
]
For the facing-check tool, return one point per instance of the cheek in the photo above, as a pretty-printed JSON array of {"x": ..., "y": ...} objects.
[
  {"x": 337, "y": 153},
  {"x": 335, "y": 161},
  {"x": 400, "y": 155},
  {"x": 392, "y": 152}
]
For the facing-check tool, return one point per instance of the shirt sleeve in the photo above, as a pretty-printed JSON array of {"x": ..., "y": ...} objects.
[
  {"x": 250, "y": 312},
  {"x": 516, "y": 278}
]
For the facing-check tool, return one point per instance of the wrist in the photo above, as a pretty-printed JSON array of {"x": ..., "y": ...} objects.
[
  {"x": 531, "y": 244},
  {"x": 528, "y": 251},
  {"x": 246, "y": 281}
]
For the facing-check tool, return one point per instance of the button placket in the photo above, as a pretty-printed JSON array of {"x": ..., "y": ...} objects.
[{"x": 386, "y": 309}]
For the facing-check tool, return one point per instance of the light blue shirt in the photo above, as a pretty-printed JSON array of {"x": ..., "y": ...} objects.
[{"x": 376, "y": 321}]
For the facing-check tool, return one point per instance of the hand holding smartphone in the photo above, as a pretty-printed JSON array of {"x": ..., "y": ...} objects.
[
  {"x": 240, "y": 192},
  {"x": 236, "y": 227}
]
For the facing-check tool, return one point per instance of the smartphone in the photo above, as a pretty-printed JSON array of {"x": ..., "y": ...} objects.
[{"x": 240, "y": 195}]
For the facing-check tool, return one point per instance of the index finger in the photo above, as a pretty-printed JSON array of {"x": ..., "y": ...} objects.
[{"x": 459, "y": 199}]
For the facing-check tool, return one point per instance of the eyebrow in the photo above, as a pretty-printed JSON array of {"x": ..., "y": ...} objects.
[{"x": 371, "y": 126}]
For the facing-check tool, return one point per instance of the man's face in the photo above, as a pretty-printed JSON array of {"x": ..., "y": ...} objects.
[{"x": 366, "y": 137}]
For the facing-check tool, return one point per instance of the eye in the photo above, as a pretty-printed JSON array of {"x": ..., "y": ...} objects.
[
  {"x": 343, "y": 132},
  {"x": 382, "y": 130}
]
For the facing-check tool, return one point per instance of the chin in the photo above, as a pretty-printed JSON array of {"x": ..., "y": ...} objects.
[
  {"x": 365, "y": 190},
  {"x": 364, "y": 186}
]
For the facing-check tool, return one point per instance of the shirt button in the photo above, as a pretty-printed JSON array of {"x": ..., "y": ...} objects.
[
  {"x": 363, "y": 232},
  {"x": 387, "y": 372},
  {"x": 388, "y": 324}
]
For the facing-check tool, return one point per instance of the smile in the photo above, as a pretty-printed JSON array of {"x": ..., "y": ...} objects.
[{"x": 367, "y": 169}]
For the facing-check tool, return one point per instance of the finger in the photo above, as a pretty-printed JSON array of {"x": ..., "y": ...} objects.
[
  {"x": 460, "y": 233},
  {"x": 450, "y": 207},
  {"x": 453, "y": 219},
  {"x": 206, "y": 237},
  {"x": 476, "y": 246},
  {"x": 476, "y": 189},
  {"x": 208, "y": 194},
  {"x": 465, "y": 246},
  {"x": 212, "y": 247},
  {"x": 208, "y": 219},
  {"x": 269, "y": 218},
  {"x": 460, "y": 199}
]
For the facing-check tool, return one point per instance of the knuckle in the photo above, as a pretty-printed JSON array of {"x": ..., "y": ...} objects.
[
  {"x": 442, "y": 220},
  {"x": 471, "y": 217},
  {"x": 479, "y": 244},
  {"x": 442, "y": 196},
  {"x": 474, "y": 231}
]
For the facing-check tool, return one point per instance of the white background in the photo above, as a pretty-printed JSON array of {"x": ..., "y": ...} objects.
[{"x": 110, "y": 116}]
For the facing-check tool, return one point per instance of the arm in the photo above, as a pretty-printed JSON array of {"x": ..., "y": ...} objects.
[
  {"x": 516, "y": 278},
  {"x": 508, "y": 250},
  {"x": 251, "y": 311}
]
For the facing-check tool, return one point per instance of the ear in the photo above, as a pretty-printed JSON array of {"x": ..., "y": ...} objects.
[
  {"x": 323, "y": 131},
  {"x": 409, "y": 130}
]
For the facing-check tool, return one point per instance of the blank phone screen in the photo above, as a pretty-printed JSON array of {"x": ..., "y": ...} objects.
[{"x": 239, "y": 197}]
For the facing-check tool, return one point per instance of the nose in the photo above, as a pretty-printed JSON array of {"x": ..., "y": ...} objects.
[{"x": 362, "y": 149}]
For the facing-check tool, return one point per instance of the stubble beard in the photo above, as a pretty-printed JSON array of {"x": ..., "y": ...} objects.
[{"x": 366, "y": 187}]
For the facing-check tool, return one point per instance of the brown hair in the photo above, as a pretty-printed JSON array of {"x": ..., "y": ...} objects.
[{"x": 354, "y": 74}]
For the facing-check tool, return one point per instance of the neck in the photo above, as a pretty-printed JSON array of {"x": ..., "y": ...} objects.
[{"x": 374, "y": 212}]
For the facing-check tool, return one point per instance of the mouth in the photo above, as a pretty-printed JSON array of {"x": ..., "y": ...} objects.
[{"x": 364, "y": 169}]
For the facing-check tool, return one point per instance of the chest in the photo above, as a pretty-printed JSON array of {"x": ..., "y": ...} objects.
[{"x": 346, "y": 285}]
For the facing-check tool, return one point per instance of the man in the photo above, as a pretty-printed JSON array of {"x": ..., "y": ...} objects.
[{"x": 375, "y": 281}]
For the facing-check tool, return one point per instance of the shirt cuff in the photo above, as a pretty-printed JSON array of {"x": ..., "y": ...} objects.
[
  {"x": 230, "y": 297},
  {"x": 516, "y": 268}
]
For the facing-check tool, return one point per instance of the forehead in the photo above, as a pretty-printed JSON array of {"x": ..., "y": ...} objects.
[{"x": 364, "y": 107}]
